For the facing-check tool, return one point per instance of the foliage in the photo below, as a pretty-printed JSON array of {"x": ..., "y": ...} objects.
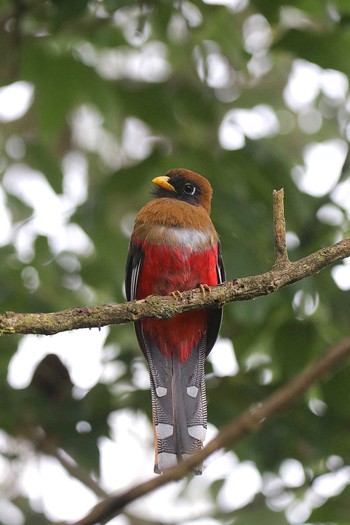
[{"x": 124, "y": 91}]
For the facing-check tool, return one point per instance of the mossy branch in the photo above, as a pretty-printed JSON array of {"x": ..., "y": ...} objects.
[{"x": 283, "y": 273}]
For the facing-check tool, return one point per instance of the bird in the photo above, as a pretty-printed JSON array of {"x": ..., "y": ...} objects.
[{"x": 174, "y": 247}]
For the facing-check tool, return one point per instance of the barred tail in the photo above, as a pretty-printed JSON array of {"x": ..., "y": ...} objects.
[{"x": 178, "y": 405}]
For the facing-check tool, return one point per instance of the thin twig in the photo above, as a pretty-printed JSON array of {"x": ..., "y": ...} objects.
[
  {"x": 250, "y": 421},
  {"x": 279, "y": 228}
]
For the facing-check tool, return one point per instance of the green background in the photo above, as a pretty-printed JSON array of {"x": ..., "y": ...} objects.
[{"x": 60, "y": 48}]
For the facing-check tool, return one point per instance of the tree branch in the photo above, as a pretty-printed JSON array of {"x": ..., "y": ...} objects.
[
  {"x": 250, "y": 421},
  {"x": 283, "y": 273}
]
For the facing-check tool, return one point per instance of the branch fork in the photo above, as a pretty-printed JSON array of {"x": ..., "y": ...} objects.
[{"x": 283, "y": 273}]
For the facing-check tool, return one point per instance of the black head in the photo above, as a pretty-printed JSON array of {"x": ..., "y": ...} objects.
[{"x": 184, "y": 185}]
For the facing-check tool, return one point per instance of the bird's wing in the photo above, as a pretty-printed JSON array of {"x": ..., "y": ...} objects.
[
  {"x": 215, "y": 316},
  {"x": 133, "y": 265},
  {"x": 220, "y": 266}
]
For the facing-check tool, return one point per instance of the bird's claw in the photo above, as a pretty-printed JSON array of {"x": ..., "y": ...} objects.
[
  {"x": 176, "y": 294},
  {"x": 204, "y": 288}
]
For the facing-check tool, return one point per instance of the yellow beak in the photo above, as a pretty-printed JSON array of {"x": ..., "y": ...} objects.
[{"x": 163, "y": 182}]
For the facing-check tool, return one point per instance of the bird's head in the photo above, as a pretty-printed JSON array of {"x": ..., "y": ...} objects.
[{"x": 184, "y": 185}]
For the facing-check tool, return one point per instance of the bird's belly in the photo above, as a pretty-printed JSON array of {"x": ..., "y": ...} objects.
[
  {"x": 167, "y": 269},
  {"x": 177, "y": 336}
]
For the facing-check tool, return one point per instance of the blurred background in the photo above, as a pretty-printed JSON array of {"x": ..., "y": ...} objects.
[{"x": 98, "y": 97}]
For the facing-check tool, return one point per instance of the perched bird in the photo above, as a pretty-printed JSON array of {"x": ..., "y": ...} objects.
[{"x": 174, "y": 247}]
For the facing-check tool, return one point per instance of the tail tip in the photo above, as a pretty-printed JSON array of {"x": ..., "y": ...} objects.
[
  {"x": 167, "y": 460},
  {"x": 164, "y": 461}
]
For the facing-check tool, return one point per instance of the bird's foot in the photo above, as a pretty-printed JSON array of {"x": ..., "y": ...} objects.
[
  {"x": 204, "y": 288},
  {"x": 176, "y": 294}
]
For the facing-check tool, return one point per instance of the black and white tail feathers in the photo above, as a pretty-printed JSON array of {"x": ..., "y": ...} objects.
[{"x": 178, "y": 404}]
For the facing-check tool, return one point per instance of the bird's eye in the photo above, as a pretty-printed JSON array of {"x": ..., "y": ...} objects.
[{"x": 189, "y": 189}]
